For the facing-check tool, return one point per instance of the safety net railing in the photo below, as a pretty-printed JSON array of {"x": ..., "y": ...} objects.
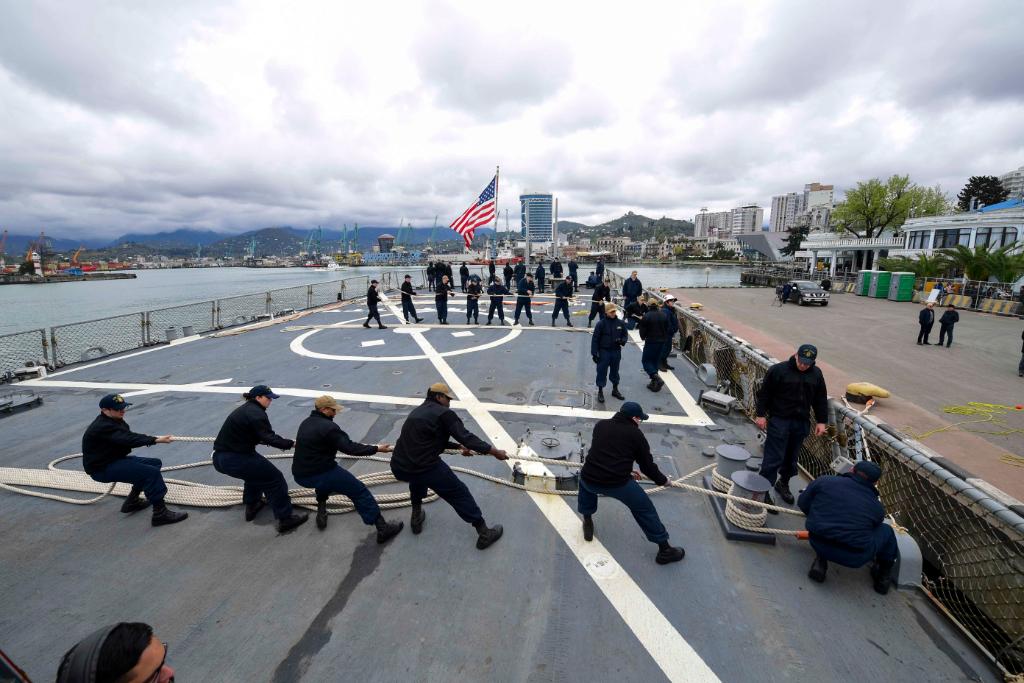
[
  {"x": 197, "y": 318},
  {"x": 92, "y": 339},
  {"x": 972, "y": 544},
  {"x": 23, "y": 348}
]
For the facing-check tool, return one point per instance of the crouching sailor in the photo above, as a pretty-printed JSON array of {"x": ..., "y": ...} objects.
[
  {"x": 105, "y": 448},
  {"x": 234, "y": 454},
  {"x": 845, "y": 521},
  {"x": 416, "y": 460},
  {"x": 313, "y": 466},
  {"x": 608, "y": 471}
]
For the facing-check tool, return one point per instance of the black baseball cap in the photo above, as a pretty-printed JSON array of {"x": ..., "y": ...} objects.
[
  {"x": 807, "y": 354},
  {"x": 633, "y": 409},
  {"x": 114, "y": 402},
  {"x": 262, "y": 390},
  {"x": 869, "y": 470}
]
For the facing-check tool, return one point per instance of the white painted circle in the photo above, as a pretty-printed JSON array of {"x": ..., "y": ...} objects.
[{"x": 601, "y": 566}]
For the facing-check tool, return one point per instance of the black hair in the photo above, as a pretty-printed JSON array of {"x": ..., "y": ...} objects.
[
  {"x": 247, "y": 396},
  {"x": 373, "y": 282},
  {"x": 120, "y": 652}
]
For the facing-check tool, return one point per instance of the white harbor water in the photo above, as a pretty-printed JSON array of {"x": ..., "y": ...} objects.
[{"x": 26, "y": 307}]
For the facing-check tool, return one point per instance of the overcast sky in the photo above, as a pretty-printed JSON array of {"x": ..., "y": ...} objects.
[{"x": 147, "y": 116}]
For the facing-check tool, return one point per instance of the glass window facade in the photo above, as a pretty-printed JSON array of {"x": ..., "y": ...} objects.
[
  {"x": 947, "y": 239},
  {"x": 919, "y": 239},
  {"x": 535, "y": 212},
  {"x": 994, "y": 238}
]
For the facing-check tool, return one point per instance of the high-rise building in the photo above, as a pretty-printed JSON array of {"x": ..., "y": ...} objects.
[
  {"x": 818, "y": 195},
  {"x": 785, "y": 208},
  {"x": 535, "y": 210},
  {"x": 813, "y": 208},
  {"x": 746, "y": 219},
  {"x": 1013, "y": 182},
  {"x": 712, "y": 223}
]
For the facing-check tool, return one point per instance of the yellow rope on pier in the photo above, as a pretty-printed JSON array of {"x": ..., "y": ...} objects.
[{"x": 991, "y": 413}]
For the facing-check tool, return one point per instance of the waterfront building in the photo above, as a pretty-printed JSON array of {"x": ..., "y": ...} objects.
[
  {"x": 1013, "y": 182},
  {"x": 536, "y": 213},
  {"x": 993, "y": 226},
  {"x": 812, "y": 208},
  {"x": 386, "y": 243},
  {"x": 784, "y": 210},
  {"x": 712, "y": 223},
  {"x": 746, "y": 220}
]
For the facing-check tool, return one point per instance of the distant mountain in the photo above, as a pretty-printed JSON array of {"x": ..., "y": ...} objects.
[
  {"x": 18, "y": 244},
  {"x": 183, "y": 237},
  {"x": 631, "y": 221},
  {"x": 571, "y": 226}
]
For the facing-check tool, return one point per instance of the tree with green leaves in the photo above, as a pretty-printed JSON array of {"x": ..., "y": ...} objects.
[
  {"x": 922, "y": 266},
  {"x": 987, "y": 189},
  {"x": 797, "y": 233},
  {"x": 874, "y": 206}
]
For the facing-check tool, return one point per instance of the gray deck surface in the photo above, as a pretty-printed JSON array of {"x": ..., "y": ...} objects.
[{"x": 238, "y": 602}]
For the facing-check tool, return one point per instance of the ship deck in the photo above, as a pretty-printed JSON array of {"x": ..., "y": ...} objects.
[{"x": 237, "y": 601}]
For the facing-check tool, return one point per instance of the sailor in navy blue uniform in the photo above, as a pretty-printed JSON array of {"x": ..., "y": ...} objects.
[
  {"x": 563, "y": 292},
  {"x": 524, "y": 291}
]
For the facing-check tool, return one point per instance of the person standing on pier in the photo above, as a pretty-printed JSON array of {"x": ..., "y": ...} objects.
[
  {"x": 563, "y": 292},
  {"x": 463, "y": 275},
  {"x": 926, "y": 318},
  {"x": 574, "y": 274},
  {"x": 791, "y": 390},
  {"x": 317, "y": 443},
  {"x": 538, "y": 277},
  {"x": 497, "y": 292},
  {"x": 234, "y": 454},
  {"x": 508, "y": 272},
  {"x": 106, "y": 445},
  {"x": 426, "y": 433},
  {"x": 946, "y": 323},
  {"x": 407, "y": 306},
  {"x": 473, "y": 292},
  {"x": 632, "y": 288},
  {"x": 372, "y": 299},
  {"x": 442, "y": 291},
  {"x": 525, "y": 293},
  {"x": 606, "y": 344},
  {"x": 602, "y": 293}
]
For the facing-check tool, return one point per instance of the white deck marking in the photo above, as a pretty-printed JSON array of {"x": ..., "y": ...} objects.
[
  {"x": 464, "y": 333},
  {"x": 686, "y": 402},
  {"x": 298, "y": 348},
  {"x": 210, "y": 383},
  {"x": 656, "y": 634},
  {"x": 372, "y": 342}
]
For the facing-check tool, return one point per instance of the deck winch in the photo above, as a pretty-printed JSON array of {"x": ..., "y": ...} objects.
[{"x": 553, "y": 445}]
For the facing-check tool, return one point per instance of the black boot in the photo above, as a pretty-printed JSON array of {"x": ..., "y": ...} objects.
[
  {"x": 163, "y": 515},
  {"x": 588, "y": 528},
  {"x": 419, "y": 320},
  {"x": 253, "y": 509},
  {"x": 768, "y": 499},
  {"x": 367, "y": 324},
  {"x": 321, "y": 514},
  {"x": 616, "y": 394},
  {"x": 487, "y": 536},
  {"x": 600, "y": 395},
  {"x": 292, "y": 521},
  {"x": 418, "y": 517},
  {"x": 568, "y": 323},
  {"x": 133, "y": 503},
  {"x": 666, "y": 366},
  {"x": 784, "y": 493},
  {"x": 818, "y": 569},
  {"x": 667, "y": 553},
  {"x": 881, "y": 577},
  {"x": 387, "y": 530}
]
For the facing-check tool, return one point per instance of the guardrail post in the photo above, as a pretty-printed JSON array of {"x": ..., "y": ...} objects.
[
  {"x": 266, "y": 309},
  {"x": 144, "y": 327},
  {"x": 53, "y": 347},
  {"x": 309, "y": 296},
  {"x": 46, "y": 358}
]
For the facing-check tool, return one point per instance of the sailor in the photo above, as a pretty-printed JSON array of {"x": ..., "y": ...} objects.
[
  {"x": 845, "y": 519},
  {"x": 599, "y": 269},
  {"x": 407, "y": 294},
  {"x": 427, "y": 432},
  {"x": 430, "y": 276},
  {"x": 448, "y": 272},
  {"x": 508, "y": 273},
  {"x": 563, "y": 292},
  {"x": 519, "y": 273},
  {"x": 525, "y": 291},
  {"x": 790, "y": 390},
  {"x": 573, "y": 270},
  {"x": 442, "y": 291},
  {"x": 106, "y": 445},
  {"x": 372, "y": 299},
  {"x": 608, "y": 471},
  {"x": 496, "y": 291},
  {"x": 632, "y": 288},
  {"x": 653, "y": 330},
  {"x": 556, "y": 270},
  {"x": 463, "y": 275},
  {"x": 317, "y": 443},
  {"x": 593, "y": 280},
  {"x": 602, "y": 293},
  {"x": 234, "y": 454},
  {"x": 672, "y": 327},
  {"x": 473, "y": 292},
  {"x": 635, "y": 312},
  {"x": 606, "y": 349},
  {"x": 125, "y": 652},
  {"x": 538, "y": 277},
  {"x": 490, "y": 269}
]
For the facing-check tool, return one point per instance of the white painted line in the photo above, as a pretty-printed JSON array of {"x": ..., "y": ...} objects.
[
  {"x": 655, "y": 633},
  {"x": 687, "y": 402},
  {"x": 212, "y": 382},
  {"x": 298, "y": 348},
  {"x": 373, "y": 342},
  {"x": 568, "y": 411},
  {"x": 464, "y": 333}
]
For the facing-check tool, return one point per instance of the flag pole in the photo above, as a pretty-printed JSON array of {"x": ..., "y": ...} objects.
[{"x": 497, "y": 172}]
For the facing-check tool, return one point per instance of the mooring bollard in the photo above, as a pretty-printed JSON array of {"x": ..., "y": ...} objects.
[
  {"x": 187, "y": 330},
  {"x": 171, "y": 333},
  {"x": 754, "y": 463},
  {"x": 751, "y": 486},
  {"x": 729, "y": 458}
]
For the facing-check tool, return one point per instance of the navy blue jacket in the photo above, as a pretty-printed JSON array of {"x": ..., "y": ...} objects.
[
  {"x": 427, "y": 432},
  {"x": 539, "y": 273},
  {"x": 317, "y": 443},
  {"x": 653, "y": 327},
  {"x": 573, "y": 267},
  {"x": 601, "y": 293},
  {"x": 563, "y": 289},
  {"x": 949, "y": 318},
  {"x": 789, "y": 393},
  {"x": 525, "y": 288},
  {"x": 671, "y": 320},
  {"x": 617, "y": 443},
  {"x": 556, "y": 269},
  {"x": 507, "y": 270},
  {"x": 497, "y": 290},
  {"x": 519, "y": 271},
  {"x": 609, "y": 335},
  {"x": 108, "y": 439},
  {"x": 246, "y": 427},
  {"x": 632, "y": 289},
  {"x": 599, "y": 268},
  {"x": 926, "y": 316},
  {"x": 843, "y": 510}
]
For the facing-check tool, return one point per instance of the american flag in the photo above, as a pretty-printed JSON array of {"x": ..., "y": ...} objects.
[{"x": 479, "y": 213}]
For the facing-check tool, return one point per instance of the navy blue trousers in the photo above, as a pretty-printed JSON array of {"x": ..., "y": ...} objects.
[
  {"x": 608, "y": 364},
  {"x": 340, "y": 480},
  {"x": 575, "y": 281},
  {"x": 883, "y": 549},
  {"x": 523, "y": 304},
  {"x": 946, "y": 335},
  {"x": 260, "y": 477},
  {"x": 782, "y": 446},
  {"x": 441, "y": 480},
  {"x": 560, "y": 305},
  {"x": 596, "y": 310},
  {"x": 374, "y": 313},
  {"x": 496, "y": 307},
  {"x": 472, "y": 309},
  {"x": 442, "y": 309},
  {"x": 630, "y": 494},
  {"x": 540, "y": 285},
  {"x": 651, "y": 356},
  {"x": 141, "y": 472},
  {"x": 666, "y": 349},
  {"x": 408, "y": 310}
]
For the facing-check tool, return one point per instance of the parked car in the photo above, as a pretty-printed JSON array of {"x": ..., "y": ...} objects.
[{"x": 805, "y": 292}]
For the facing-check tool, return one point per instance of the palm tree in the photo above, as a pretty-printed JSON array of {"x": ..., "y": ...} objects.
[
  {"x": 1005, "y": 266},
  {"x": 976, "y": 264},
  {"x": 922, "y": 266}
]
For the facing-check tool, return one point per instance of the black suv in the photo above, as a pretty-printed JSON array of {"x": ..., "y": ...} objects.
[{"x": 805, "y": 292}]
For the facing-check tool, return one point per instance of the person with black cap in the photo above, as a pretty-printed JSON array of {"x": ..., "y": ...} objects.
[
  {"x": 473, "y": 292},
  {"x": 317, "y": 442},
  {"x": 538, "y": 276},
  {"x": 606, "y": 344},
  {"x": 234, "y": 454},
  {"x": 556, "y": 269},
  {"x": 106, "y": 445},
  {"x": 617, "y": 443},
  {"x": 525, "y": 292},
  {"x": 602, "y": 293},
  {"x": 463, "y": 275},
  {"x": 563, "y": 292},
  {"x": 573, "y": 273},
  {"x": 497, "y": 292},
  {"x": 372, "y": 299},
  {"x": 426, "y": 434},
  {"x": 442, "y": 290},
  {"x": 790, "y": 391},
  {"x": 845, "y": 519},
  {"x": 407, "y": 306},
  {"x": 508, "y": 272},
  {"x": 126, "y": 652}
]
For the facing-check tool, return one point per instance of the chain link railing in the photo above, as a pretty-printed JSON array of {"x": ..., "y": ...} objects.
[
  {"x": 289, "y": 299},
  {"x": 972, "y": 544},
  {"x": 94, "y": 339},
  {"x": 201, "y": 317},
  {"x": 239, "y": 310},
  {"x": 21, "y": 348}
]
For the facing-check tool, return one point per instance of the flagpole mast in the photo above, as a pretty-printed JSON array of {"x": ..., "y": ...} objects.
[{"x": 497, "y": 173}]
